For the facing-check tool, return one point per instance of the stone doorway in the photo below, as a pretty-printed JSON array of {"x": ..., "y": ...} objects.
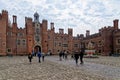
[{"x": 36, "y": 49}]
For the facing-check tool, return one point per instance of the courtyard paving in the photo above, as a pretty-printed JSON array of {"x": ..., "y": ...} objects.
[{"x": 18, "y": 68}]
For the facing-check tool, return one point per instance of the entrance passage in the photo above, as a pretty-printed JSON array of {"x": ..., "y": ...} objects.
[{"x": 37, "y": 49}]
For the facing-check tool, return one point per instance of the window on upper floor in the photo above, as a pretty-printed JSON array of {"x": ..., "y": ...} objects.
[
  {"x": 24, "y": 42},
  {"x": 75, "y": 45},
  {"x": 20, "y": 34},
  {"x": 9, "y": 33},
  {"x": 59, "y": 44},
  {"x": 18, "y": 42},
  {"x": 65, "y": 45}
]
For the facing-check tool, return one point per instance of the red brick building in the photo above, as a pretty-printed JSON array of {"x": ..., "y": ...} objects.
[{"x": 36, "y": 36}]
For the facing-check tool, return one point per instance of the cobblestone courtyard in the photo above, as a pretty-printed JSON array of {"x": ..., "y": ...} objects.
[{"x": 18, "y": 68}]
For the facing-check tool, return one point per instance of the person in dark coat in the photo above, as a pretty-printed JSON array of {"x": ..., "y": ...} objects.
[
  {"x": 63, "y": 54},
  {"x": 60, "y": 55},
  {"x": 66, "y": 53},
  {"x": 39, "y": 56},
  {"x": 43, "y": 55},
  {"x": 81, "y": 56},
  {"x": 30, "y": 57},
  {"x": 76, "y": 57}
]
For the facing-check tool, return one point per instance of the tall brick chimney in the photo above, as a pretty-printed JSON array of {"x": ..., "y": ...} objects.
[
  {"x": 52, "y": 25},
  {"x": 87, "y": 33},
  {"x": 61, "y": 31},
  {"x": 115, "y": 23},
  {"x": 14, "y": 19}
]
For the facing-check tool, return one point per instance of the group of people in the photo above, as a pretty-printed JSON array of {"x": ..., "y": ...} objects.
[
  {"x": 77, "y": 55},
  {"x": 63, "y": 54},
  {"x": 39, "y": 55}
]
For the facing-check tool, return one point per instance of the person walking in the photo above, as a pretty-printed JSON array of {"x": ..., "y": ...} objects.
[
  {"x": 81, "y": 56},
  {"x": 63, "y": 54},
  {"x": 43, "y": 55},
  {"x": 76, "y": 57},
  {"x": 30, "y": 57},
  {"x": 39, "y": 56},
  {"x": 60, "y": 55},
  {"x": 66, "y": 53}
]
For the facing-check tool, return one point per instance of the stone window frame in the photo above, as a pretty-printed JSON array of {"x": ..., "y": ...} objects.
[
  {"x": 23, "y": 41},
  {"x": 76, "y": 45},
  {"x": 20, "y": 34},
  {"x": 59, "y": 44},
  {"x": 18, "y": 41},
  {"x": 9, "y": 33},
  {"x": 118, "y": 50},
  {"x": 65, "y": 45},
  {"x": 118, "y": 41}
]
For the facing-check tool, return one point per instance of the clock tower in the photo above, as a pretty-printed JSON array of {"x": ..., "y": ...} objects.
[{"x": 37, "y": 33}]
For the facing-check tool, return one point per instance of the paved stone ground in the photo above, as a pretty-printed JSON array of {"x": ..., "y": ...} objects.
[
  {"x": 18, "y": 68},
  {"x": 102, "y": 66}
]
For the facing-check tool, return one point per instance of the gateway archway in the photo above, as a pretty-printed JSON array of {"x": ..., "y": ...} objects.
[{"x": 37, "y": 48}]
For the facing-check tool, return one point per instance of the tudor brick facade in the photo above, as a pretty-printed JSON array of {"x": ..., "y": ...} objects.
[{"x": 36, "y": 36}]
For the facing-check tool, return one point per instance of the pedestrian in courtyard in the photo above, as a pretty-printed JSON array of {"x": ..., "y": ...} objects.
[
  {"x": 76, "y": 57},
  {"x": 39, "y": 56},
  {"x": 30, "y": 57},
  {"x": 66, "y": 53},
  {"x": 43, "y": 55},
  {"x": 81, "y": 56},
  {"x": 33, "y": 54},
  {"x": 60, "y": 55},
  {"x": 63, "y": 54}
]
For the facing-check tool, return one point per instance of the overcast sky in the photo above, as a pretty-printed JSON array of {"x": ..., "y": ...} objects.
[{"x": 81, "y": 15}]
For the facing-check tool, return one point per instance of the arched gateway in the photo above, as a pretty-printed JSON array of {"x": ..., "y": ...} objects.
[{"x": 36, "y": 49}]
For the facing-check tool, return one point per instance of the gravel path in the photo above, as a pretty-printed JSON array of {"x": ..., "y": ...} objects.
[{"x": 18, "y": 68}]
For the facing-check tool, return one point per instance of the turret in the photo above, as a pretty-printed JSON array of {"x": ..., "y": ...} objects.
[
  {"x": 29, "y": 25},
  {"x": 36, "y": 17},
  {"x": 5, "y": 16},
  {"x": 44, "y": 24}
]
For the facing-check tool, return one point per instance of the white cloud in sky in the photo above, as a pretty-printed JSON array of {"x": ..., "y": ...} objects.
[{"x": 81, "y": 15}]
